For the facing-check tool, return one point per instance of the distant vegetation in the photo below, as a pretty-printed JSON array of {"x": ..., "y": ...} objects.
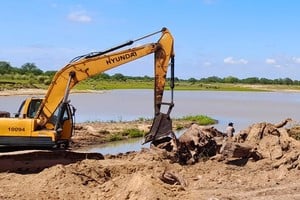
[
  {"x": 27, "y": 76},
  {"x": 30, "y": 76}
]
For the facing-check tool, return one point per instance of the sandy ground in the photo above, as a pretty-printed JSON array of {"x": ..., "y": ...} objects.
[{"x": 137, "y": 175}]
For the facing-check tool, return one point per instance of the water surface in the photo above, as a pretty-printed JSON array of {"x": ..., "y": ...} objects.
[{"x": 241, "y": 108}]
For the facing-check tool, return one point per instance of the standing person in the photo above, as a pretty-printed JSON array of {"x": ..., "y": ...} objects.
[{"x": 230, "y": 130}]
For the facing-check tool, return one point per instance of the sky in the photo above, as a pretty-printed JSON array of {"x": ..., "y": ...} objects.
[{"x": 240, "y": 38}]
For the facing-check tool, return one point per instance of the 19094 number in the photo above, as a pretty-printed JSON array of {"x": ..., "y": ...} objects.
[{"x": 16, "y": 129}]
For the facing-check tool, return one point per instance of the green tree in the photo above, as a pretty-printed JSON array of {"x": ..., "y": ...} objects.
[
  {"x": 102, "y": 76},
  {"x": 147, "y": 78},
  {"x": 31, "y": 68},
  {"x": 265, "y": 81},
  {"x": 119, "y": 77},
  {"x": 211, "y": 79},
  {"x": 251, "y": 80},
  {"x": 192, "y": 80},
  {"x": 5, "y": 68},
  {"x": 231, "y": 79},
  {"x": 288, "y": 81},
  {"x": 50, "y": 73}
]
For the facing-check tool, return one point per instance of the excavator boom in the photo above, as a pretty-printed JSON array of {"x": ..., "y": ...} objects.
[{"x": 91, "y": 64}]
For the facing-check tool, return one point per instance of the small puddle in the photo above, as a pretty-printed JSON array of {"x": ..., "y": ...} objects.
[{"x": 122, "y": 146}]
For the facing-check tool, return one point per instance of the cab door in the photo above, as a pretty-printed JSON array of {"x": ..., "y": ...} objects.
[
  {"x": 62, "y": 122},
  {"x": 67, "y": 123}
]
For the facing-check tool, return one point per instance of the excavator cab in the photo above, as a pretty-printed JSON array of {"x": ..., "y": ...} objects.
[
  {"x": 61, "y": 122},
  {"x": 28, "y": 108}
]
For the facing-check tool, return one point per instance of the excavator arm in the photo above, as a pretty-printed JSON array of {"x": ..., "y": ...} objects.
[{"x": 92, "y": 64}]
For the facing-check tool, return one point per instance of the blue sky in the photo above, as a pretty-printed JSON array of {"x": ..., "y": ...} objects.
[{"x": 241, "y": 38}]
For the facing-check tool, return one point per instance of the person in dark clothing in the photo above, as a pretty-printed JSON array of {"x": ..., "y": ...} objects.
[{"x": 230, "y": 130}]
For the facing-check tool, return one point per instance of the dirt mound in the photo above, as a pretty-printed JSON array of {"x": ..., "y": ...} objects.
[
  {"x": 146, "y": 174},
  {"x": 272, "y": 142},
  {"x": 138, "y": 176}
]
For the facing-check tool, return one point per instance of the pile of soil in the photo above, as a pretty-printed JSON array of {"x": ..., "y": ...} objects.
[{"x": 139, "y": 175}]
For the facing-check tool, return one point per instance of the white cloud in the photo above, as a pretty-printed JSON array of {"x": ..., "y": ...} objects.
[
  {"x": 270, "y": 61},
  {"x": 296, "y": 60},
  {"x": 79, "y": 16},
  {"x": 231, "y": 60}
]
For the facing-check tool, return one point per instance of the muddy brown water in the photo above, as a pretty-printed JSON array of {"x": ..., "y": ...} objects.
[{"x": 241, "y": 108}]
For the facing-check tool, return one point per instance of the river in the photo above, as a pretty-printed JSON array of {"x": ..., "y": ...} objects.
[{"x": 241, "y": 108}]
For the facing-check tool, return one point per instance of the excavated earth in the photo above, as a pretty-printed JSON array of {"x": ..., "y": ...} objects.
[{"x": 138, "y": 175}]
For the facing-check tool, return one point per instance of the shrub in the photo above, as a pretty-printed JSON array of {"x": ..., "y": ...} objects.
[
  {"x": 115, "y": 137},
  {"x": 133, "y": 133},
  {"x": 200, "y": 119}
]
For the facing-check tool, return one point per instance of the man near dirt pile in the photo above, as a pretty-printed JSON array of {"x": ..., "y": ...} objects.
[{"x": 230, "y": 130}]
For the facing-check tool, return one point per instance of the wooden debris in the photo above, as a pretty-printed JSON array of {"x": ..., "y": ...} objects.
[{"x": 172, "y": 178}]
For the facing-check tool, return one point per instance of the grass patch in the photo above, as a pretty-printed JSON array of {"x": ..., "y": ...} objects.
[
  {"x": 133, "y": 133},
  {"x": 181, "y": 85},
  {"x": 199, "y": 119},
  {"x": 179, "y": 127},
  {"x": 115, "y": 137},
  {"x": 126, "y": 133},
  {"x": 91, "y": 84}
]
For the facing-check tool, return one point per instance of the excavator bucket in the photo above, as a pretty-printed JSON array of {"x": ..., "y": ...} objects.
[{"x": 161, "y": 127}]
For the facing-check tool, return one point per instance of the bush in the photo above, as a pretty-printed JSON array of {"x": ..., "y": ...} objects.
[
  {"x": 115, "y": 137},
  {"x": 133, "y": 133},
  {"x": 200, "y": 119}
]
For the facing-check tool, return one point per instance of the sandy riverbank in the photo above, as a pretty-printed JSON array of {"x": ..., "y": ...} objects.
[
  {"x": 23, "y": 92},
  {"x": 38, "y": 92}
]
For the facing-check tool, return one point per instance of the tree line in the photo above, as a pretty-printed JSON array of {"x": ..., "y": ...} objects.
[
  {"x": 29, "y": 71},
  {"x": 250, "y": 80}
]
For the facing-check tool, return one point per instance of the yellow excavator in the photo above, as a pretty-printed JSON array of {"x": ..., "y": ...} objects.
[{"x": 48, "y": 121}]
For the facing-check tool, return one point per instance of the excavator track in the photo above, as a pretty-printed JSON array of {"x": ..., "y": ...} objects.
[{"x": 34, "y": 161}]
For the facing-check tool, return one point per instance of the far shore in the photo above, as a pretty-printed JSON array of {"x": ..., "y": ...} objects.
[
  {"x": 32, "y": 91},
  {"x": 37, "y": 91},
  {"x": 23, "y": 92}
]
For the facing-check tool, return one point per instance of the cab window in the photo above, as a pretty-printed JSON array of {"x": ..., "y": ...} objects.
[{"x": 33, "y": 108}]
